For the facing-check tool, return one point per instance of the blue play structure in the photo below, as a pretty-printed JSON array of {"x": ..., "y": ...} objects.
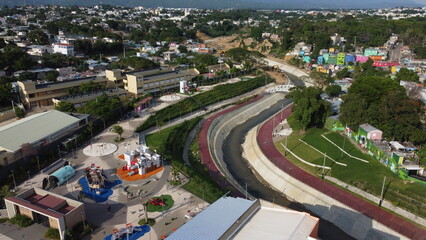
[
  {"x": 137, "y": 232},
  {"x": 99, "y": 195}
]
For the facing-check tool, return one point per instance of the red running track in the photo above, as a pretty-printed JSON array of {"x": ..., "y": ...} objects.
[
  {"x": 398, "y": 224},
  {"x": 206, "y": 158}
]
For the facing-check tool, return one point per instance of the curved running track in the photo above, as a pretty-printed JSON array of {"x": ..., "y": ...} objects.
[{"x": 398, "y": 224}]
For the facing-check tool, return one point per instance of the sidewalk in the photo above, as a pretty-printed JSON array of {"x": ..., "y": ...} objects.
[{"x": 385, "y": 203}]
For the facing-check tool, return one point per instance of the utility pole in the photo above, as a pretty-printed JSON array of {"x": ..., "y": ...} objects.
[
  {"x": 323, "y": 166},
  {"x": 29, "y": 178},
  {"x": 383, "y": 189}
]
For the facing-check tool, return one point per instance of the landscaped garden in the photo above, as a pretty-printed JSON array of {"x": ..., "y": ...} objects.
[
  {"x": 160, "y": 204},
  {"x": 218, "y": 93},
  {"x": 170, "y": 142},
  {"x": 367, "y": 176}
]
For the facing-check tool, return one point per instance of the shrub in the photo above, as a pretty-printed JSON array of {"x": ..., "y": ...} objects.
[
  {"x": 21, "y": 220},
  {"x": 151, "y": 222},
  {"x": 52, "y": 233}
]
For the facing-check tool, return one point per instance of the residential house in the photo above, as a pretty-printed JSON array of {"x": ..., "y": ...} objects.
[{"x": 63, "y": 48}]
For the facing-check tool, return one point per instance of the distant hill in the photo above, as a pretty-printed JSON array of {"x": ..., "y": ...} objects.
[{"x": 214, "y": 4}]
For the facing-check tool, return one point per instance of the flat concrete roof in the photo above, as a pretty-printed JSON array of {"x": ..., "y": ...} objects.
[
  {"x": 277, "y": 223},
  {"x": 34, "y": 128}
]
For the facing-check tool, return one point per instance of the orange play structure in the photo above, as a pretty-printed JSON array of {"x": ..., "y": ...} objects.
[{"x": 123, "y": 174}]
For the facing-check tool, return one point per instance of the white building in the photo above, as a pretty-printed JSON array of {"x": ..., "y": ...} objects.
[
  {"x": 238, "y": 219},
  {"x": 39, "y": 50},
  {"x": 63, "y": 48}
]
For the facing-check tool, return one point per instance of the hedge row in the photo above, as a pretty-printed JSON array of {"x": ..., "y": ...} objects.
[{"x": 218, "y": 93}]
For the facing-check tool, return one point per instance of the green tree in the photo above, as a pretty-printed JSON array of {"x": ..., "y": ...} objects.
[
  {"x": 38, "y": 37},
  {"x": 103, "y": 107},
  {"x": 55, "y": 60},
  {"x": 182, "y": 49},
  {"x": 51, "y": 76},
  {"x": 19, "y": 112},
  {"x": 6, "y": 93},
  {"x": 52, "y": 233},
  {"x": 353, "y": 111},
  {"x": 136, "y": 63},
  {"x": 344, "y": 73},
  {"x": 405, "y": 74},
  {"x": 397, "y": 116},
  {"x": 90, "y": 87},
  {"x": 119, "y": 130},
  {"x": 256, "y": 33},
  {"x": 65, "y": 107},
  {"x": 333, "y": 90},
  {"x": 309, "y": 109}
]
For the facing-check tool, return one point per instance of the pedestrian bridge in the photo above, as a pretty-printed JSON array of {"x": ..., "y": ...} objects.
[{"x": 280, "y": 88}]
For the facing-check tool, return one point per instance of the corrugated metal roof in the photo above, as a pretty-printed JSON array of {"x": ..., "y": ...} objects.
[
  {"x": 33, "y": 129},
  {"x": 368, "y": 128},
  {"x": 214, "y": 221}
]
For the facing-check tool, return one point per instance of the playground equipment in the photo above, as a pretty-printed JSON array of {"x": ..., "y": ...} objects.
[
  {"x": 59, "y": 177},
  {"x": 125, "y": 233},
  {"x": 95, "y": 179},
  {"x": 141, "y": 161},
  {"x": 156, "y": 202}
]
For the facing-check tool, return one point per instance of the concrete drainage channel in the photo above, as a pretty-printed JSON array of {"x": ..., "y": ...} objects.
[
  {"x": 222, "y": 126},
  {"x": 226, "y": 135}
]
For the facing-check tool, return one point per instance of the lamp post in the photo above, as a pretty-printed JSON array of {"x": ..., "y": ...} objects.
[
  {"x": 38, "y": 164},
  {"x": 59, "y": 151},
  {"x": 14, "y": 182},
  {"x": 29, "y": 178}
]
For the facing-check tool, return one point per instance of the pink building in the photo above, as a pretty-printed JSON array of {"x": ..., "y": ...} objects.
[{"x": 362, "y": 59}]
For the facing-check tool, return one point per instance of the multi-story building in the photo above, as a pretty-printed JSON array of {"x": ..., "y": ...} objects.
[
  {"x": 81, "y": 99},
  {"x": 63, "y": 48},
  {"x": 139, "y": 83},
  {"x": 35, "y": 94}
]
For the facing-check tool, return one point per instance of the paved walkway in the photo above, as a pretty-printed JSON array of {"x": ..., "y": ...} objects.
[
  {"x": 385, "y": 203},
  {"x": 99, "y": 149},
  {"x": 188, "y": 142}
]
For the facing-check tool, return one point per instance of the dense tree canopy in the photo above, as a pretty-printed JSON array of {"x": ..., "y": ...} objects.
[
  {"x": 103, "y": 107},
  {"x": 383, "y": 103},
  {"x": 309, "y": 109},
  {"x": 407, "y": 75},
  {"x": 6, "y": 93},
  {"x": 136, "y": 63},
  {"x": 38, "y": 37},
  {"x": 14, "y": 57},
  {"x": 65, "y": 107}
]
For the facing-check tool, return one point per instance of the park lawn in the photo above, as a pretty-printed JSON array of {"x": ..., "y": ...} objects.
[
  {"x": 156, "y": 141},
  {"x": 366, "y": 176},
  {"x": 167, "y": 200},
  {"x": 200, "y": 183}
]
